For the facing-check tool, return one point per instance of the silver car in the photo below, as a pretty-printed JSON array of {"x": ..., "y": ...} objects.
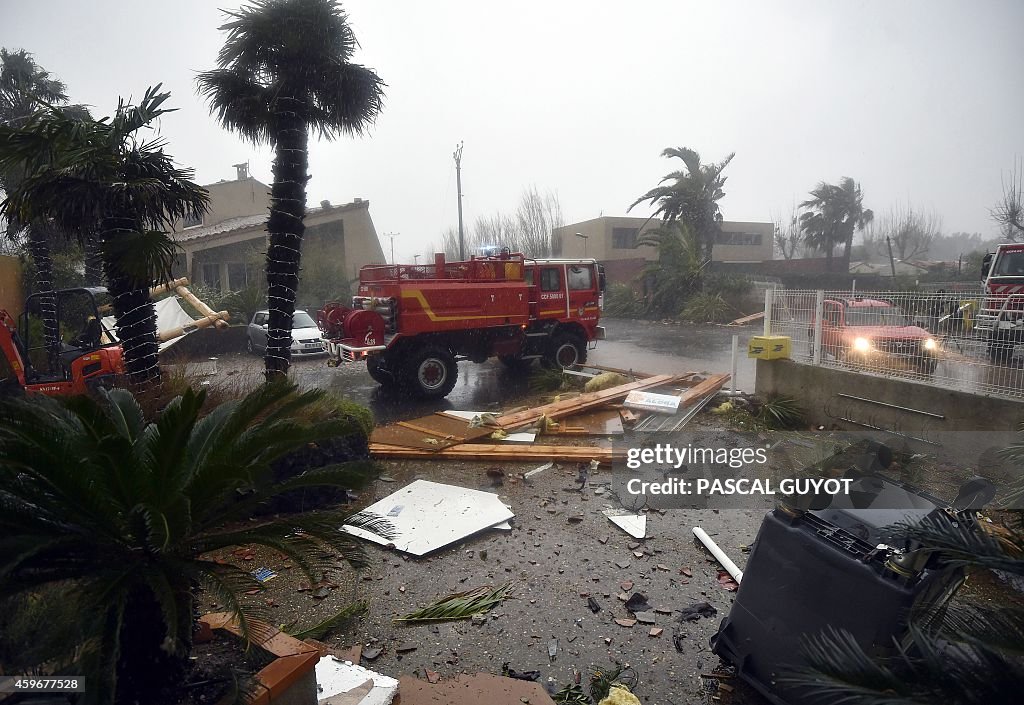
[{"x": 306, "y": 336}]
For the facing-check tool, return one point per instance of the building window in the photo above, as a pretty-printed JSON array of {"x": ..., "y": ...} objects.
[
  {"x": 747, "y": 239},
  {"x": 551, "y": 279},
  {"x": 211, "y": 275},
  {"x": 237, "y": 279},
  {"x": 624, "y": 238},
  {"x": 191, "y": 221}
]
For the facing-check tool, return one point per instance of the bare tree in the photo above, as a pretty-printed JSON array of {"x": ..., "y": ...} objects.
[
  {"x": 789, "y": 237},
  {"x": 910, "y": 231},
  {"x": 529, "y": 230},
  {"x": 1009, "y": 212}
]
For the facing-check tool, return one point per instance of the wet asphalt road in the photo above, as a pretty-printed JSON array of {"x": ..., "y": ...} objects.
[{"x": 556, "y": 565}]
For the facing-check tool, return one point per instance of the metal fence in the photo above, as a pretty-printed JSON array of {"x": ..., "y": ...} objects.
[{"x": 929, "y": 337}]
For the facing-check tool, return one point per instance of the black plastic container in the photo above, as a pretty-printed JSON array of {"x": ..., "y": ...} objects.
[{"x": 809, "y": 571}]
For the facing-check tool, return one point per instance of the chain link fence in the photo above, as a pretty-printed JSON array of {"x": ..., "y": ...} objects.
[{"x": 930, "y": 337}]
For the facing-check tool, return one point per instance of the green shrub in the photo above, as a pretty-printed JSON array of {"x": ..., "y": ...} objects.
[
  {"x": 708, "y": 308},
  {"x": 622, "y": 301},
  {"x": 782, "y": 413}
]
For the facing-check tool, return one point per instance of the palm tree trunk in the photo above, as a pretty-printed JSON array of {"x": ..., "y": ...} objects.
[
  {"x": 134, "y": 311},
  {"x": 93, "y": 262},
  {"x": 39, "y": 249},
  {"x": 146, "y": 672},
  {"x": 846, "y": 253},
  {"x": 285, "y": 229}
]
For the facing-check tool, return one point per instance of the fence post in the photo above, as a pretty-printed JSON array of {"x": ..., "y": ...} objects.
[
  {"x": 769, "y": 300},
  {"x": 819, "y": 314}
]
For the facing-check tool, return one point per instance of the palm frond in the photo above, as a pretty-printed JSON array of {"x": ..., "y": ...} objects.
[
  {"x": 461, "y": 605},
  {"x": 329, "y": 624}
]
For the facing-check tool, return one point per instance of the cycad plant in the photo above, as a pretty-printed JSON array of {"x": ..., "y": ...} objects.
[
  {"x": 123, "y": 516},
  {"x": 970, "y": 655}
]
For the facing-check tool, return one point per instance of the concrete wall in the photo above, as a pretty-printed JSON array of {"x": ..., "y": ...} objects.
[
  {"x": 600, "y": 240},
  {"x": 232, "y": 199},
  {"x": 971, "y": 425},
  {"x": 12, "y": 297}
]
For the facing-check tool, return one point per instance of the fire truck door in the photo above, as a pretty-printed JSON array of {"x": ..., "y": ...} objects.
[{"x": 581, "y": 292}]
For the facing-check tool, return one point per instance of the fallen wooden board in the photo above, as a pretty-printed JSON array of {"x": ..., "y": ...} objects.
[
  {"x": 471, "y": 690},
  {"x": 432, "y": 432},
  {"x": 747, "y": 319},
  {"x": 600, "y": 422},
  {"x": 589, "y": 400},
  {"x": 512, "y": 453},
  {"x": 712, "y": 385}
]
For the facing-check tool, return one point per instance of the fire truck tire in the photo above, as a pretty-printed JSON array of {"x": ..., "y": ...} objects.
[
  {"x": 430, "y": 373},
  {"x": 379, "y": 372},
  {"x": 566, "y": 350}
]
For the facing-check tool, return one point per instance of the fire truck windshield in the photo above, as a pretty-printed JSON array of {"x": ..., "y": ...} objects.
[{"x": 1010, "y": 264}]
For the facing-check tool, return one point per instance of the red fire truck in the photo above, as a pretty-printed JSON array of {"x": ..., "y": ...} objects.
[
  {"x": 1001, "y": 318},
  {"x": 412, "y": 323}
]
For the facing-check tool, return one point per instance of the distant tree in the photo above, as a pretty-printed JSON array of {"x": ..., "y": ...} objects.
[
  {"x": 910, "y": 231},
  {"x": 834, "y": 212},
  {"x": 537, "y": 216},
  {"x": 690, "y": 196},
  {"x": 100, "y": 176},
  {"x": 789, "y": 238},
  {"x": 285, "y": 68},
  {"x": 1009, "y": 212}
]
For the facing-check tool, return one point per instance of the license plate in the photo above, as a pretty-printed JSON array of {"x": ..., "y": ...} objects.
[{"x": 312, "y": 346}]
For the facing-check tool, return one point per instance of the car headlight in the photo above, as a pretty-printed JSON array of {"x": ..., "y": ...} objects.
[
  {"x": 930, "y": 344},
  {"x": 861, "y": 344}
]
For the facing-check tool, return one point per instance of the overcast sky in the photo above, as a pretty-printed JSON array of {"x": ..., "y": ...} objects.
[{"x": 918, "y": 101}]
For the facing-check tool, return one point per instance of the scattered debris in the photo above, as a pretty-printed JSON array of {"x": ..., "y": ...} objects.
[
  {"x": 405, "y": 648},
  {"x": 655, "y": 632},
  {"x": 263, "y": 574},
  {"x": 372, "y": 652},
  {"x": 694, "y": 612},
  {"x": 625, "y": 622},
  {"x": 649, "y": 401},
  {"x": 345, "y": 683},
  {"x": 593, "y": 604},
  {"x": 507, "y": 452},
  {"x": 726, "y": 581},
  {"x": 463, "y": 605},
  {"x": 537, "y": 471},
  {"x": 646, "y": 617},
  {"x": 619, "y": 695},
  {"x": 426, "y": 516},
  {"x": 472, "y": 690},
  {"x": 432, "y": 676},
  {"x": 519, "y": 675},
  {"x": 731, "y": 569},
  {"x": 626, "y": 585},
  {"x": 552, "y": 649},
  {"x": 637, "y": 603},
  {"x": 605, "y": 380}
]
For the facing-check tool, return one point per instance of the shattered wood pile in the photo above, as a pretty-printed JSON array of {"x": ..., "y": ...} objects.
[{"x": 489, "y": 437}]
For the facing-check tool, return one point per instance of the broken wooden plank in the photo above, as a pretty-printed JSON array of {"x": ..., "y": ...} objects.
[
  {"x": 712, "y": 385},
  {"x": 599, "y": 422},
  {"x": 490, "y": 451},
  {"x": 588, "y": 400},
  {"x": 429, "y": 433},
  {"x": 743, "y": 320}
]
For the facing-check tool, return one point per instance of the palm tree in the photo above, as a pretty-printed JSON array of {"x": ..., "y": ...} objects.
[
  {"x": 285, "y": 68},
  {"x": 677, "y": 272},
  {"x": 835, "y": 212},
  {"x": 25, "y": 88},
  {"x": 692, "y": 196},
  {"x": 98, "y": 177},
  {"x": 126, "y": 517}
]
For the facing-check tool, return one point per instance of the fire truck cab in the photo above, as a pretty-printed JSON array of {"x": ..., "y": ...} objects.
[
  {"x": 411, "y": 324},
  {"x": 1001, "y": 318}
]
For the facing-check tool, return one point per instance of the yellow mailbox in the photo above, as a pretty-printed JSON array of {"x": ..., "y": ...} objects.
[{"x": 770, "y": 347}]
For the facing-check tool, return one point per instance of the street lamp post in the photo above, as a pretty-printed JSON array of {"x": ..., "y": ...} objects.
[
  {"x": 415, "y": 259},
  {"x": 584, "y": 238},
  {"x": 392, "y": 236}
]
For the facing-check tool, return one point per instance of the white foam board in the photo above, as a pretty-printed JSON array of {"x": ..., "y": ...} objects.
[
  {"x": 426, "y": 516},
  {"x": 522, "y": 437},
  {"x": 649, "y": 401},
  {"x": 336, "y": 677}
]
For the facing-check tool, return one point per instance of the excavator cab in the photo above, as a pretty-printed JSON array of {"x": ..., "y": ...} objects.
[{"x": 65, "y": 347}]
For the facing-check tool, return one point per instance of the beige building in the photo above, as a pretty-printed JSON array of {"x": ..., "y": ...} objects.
[
  {"x": 225, "y": 249},
  {"x": 610, "y": 238}
]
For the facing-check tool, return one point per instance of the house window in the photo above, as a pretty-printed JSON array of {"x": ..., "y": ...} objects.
[
  {"x": 551, "y": 279},
  {"x": 746, "y": 239},
  {"x": 211, "y": 275},
  {"x": 237, "y": 279},
  {"x": 624, "y": 238},
  {"x": 191, "y": 221}
]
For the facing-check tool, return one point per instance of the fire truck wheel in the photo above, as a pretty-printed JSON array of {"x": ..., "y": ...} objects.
[
  {"x": 431, "y": 373},
  {"x": 566, "y": 350},
  {"x": 379, "y": 372}
]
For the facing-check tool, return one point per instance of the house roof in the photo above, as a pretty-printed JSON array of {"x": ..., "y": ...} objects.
[{"x": 246, "y": 222}]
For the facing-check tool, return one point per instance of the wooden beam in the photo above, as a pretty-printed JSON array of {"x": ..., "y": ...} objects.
[
  {"x": 710, "y": 386},
  {"x": 589, "y": 400},
  {"x": 503, "y": 451},
  {"x": 747, "y": 319}
]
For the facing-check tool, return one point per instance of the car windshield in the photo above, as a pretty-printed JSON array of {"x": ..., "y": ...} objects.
[
  {"x": 301, "y": 319},
  {"x": 1010, "y": 264},
  {"x": 875, "y": 316}
]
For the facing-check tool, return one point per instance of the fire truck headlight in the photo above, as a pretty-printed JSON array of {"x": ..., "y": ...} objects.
[
  {"x": 930, "y": 344},
  {"x": 861, "y": 344}
]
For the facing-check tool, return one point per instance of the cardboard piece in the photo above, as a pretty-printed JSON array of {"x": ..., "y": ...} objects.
[
  {"x": 427, "y": 516},
  {"x": 346, "y": 683},
  {"x": 473, "y": 690}
]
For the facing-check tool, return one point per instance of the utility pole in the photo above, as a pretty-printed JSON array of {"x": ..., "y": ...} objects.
[
  {"x": 392, "y": 236},
  {"x": 458, "y": 185},
  {"x": 892, "y": 262}
]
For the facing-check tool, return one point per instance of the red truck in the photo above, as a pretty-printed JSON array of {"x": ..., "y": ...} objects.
[
  {"x": 874, "y": 333},
  {"x": 1001, "y": 318},
  {"x": 412, "y": 323}
]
